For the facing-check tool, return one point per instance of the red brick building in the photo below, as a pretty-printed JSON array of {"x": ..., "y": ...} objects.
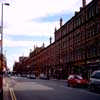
[
  {"x": 3, "y": 65},
  {"x": 76, "y": 48},
  {"x": 77, "y": 42}
]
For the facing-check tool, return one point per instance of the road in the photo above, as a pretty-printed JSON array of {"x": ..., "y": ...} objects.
[{"x": 36, "y": 89}]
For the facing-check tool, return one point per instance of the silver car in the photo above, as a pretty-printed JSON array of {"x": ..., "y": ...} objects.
[{"x": 94, "y": 83}]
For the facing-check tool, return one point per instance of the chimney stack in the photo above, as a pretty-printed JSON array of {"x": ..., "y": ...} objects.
[
  {"x": 50, "y": 40},
  {"x": 61, "y": 22},
  {"x": 84, "y": 3},
  {"x": 43, "y": 45}
]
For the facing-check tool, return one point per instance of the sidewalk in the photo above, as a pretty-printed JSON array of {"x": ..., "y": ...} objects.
[{"x": 6, "y": 93}]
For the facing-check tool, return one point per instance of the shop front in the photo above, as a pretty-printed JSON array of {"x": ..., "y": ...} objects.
[{"x": 93, "y": 64}]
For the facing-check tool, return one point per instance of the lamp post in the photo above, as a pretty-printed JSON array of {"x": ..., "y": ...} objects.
[
  {"x": 1, "y": 47},
  {"x": 7, "y": 4}
]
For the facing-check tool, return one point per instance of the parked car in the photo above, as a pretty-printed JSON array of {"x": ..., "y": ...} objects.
[
  {"x": 24, "y": 75},
  {"x": 77, "y": 81},
  {"x": 28, "y": 75},
  {"x": 94, "y": 83},
  {"x": 43, "y": 76},
  {"x": 18, "y": 75},
  {"x": 32, "y": 76}
]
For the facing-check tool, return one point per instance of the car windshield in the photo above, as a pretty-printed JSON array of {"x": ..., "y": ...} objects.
[{"x": 96, "y": 75}]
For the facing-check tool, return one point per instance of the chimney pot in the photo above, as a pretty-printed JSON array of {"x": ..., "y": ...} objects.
[
  {"x": 61, "y": 22},
  {"x": 84, "y": 3},
  {"x": 50, "y": 40}
]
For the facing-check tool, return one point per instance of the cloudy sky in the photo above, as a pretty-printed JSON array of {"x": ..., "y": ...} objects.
[{"x": 32, "y": 22}]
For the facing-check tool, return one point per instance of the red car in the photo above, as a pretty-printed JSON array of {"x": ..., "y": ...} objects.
[{"x": 77, "y": 81}]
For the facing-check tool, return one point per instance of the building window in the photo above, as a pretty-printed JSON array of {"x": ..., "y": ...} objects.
[
  {"x": 88, "y": 33},
  {"x": 92, "y": 51},
  {"x": 82, "y": 19},
  {"x": 64, "y": 31},
  {"x": 79, "y": 21},
  {"x": 97, "y": 28},
  {"x": 93, "y": 30},
  {"x": 98, "y": 48},
  {"x": 92, "y": 11},
  {"x": 74, "y": 24},
  {"x": 86, "y": 16},
  {"x": 76, "y": 21},
  {"x": 96, "y": 7},
  {"x": 89, "y": 13}
]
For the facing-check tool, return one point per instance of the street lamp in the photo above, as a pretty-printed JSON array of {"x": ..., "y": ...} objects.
[
  {"x": 7, "y": 4},
  {"x": 1, "y": 47}
]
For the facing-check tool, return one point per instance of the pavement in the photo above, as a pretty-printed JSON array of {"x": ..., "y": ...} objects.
[{"x": 6, "y": 92}]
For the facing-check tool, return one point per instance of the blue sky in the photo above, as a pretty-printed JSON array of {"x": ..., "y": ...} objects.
[
  {"x": 54, "y": 17},
  {"x": 32, "y": 22}
]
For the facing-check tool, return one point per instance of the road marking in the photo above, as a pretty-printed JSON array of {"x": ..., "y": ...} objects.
[{"x": 12, "y": 94}]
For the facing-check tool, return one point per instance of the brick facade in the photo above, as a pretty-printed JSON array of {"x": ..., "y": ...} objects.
[{"x": 76, "y": 48}]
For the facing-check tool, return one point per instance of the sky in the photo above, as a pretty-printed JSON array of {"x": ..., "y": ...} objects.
[{"x": 32, "y": 22}]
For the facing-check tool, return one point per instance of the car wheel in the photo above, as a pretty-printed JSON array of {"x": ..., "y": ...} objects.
[
  {"x": 68, "y": 85},
  {"x": 71, "y": 85}
]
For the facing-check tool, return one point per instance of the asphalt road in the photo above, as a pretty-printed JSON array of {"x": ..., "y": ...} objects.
[{"x": 36, "y": 89}]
